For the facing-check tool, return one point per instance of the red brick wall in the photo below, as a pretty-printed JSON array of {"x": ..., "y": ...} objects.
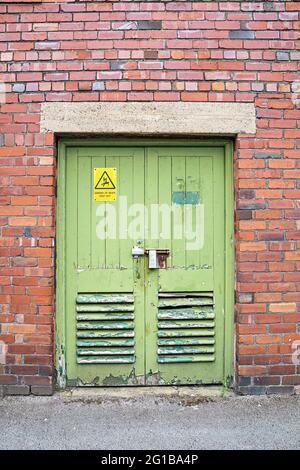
[{"x": 238, "y": 51}]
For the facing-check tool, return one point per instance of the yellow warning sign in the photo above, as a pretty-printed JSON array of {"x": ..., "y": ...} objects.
[{"x": 105, "y": 184}]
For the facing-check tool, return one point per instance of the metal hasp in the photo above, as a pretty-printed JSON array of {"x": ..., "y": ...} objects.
[
  {"x": 157, "y": 258},
  {"x": 137, "y": 251}
]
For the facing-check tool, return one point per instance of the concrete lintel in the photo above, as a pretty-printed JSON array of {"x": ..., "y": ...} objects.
[{"x": 173, "y": 118}]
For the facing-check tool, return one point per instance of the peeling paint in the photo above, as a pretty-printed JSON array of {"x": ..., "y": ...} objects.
[
  {"x": 185, "y": 197},
  {"x": 93, "y": 383},
  {"x": 154, "y": 378},
  {"x": 61, "y": 372},
  {"x": 131, "y": 379}
]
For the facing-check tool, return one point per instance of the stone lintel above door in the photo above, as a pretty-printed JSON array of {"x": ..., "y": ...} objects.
[{"x": 138, "y": 118}]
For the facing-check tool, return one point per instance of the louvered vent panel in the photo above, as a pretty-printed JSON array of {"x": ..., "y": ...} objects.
[
  {"x": 186, "y": 327},
  {"x": 105, "y": 329}
]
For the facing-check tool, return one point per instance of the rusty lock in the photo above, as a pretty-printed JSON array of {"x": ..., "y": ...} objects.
[{"x": 157, "y": 258}]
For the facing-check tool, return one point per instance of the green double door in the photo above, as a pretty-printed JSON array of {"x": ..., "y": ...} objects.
[{"x": 127, "y": 323}]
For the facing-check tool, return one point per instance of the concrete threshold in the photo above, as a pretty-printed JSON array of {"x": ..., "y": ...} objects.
[{"x": 109, "y": 393}]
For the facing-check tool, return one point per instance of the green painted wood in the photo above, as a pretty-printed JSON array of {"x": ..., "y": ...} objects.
[
  {"x": 185, "y": 197},
  {"x": 108, "y": 308},
  {"x": 105, "y": 325},
  {"x": 87, "y": 351},
  {"x": 186, "y": 324},
  {"x": 104, "y": 296},
  {"x": 106, "y": 334},
  {"x": 104, "y": 299},
  {"x": 194, "y": 329},
  {"x": 192, "y": 271},
  {"x": 84, "y": 202},
  {"x": 229, "y": 267},
  {"x": 185, "y": 314},
  {"x": 108, "y": 361},
  {"x": 182, "y": 332}
]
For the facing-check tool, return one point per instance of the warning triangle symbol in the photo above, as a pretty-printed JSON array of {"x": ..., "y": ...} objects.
[{"x": 105, "y": 182}]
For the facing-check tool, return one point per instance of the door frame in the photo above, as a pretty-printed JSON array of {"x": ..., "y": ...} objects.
[{"x": 60, "y": 237}]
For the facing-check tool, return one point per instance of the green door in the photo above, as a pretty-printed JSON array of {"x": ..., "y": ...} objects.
[{"x": 135, "y": 315}]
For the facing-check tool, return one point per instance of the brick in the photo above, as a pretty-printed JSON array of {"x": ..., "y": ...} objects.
[
  {"x": 149, "y": 24},
  {"x": 241, "y": 34},
  {"x": 289, "y": 390},
  {"x": 98, "y": 86},
  {"x": 38, "y": 252},
  {"x": 16, "y": 390},
  {"x": 42, "y": 390}
]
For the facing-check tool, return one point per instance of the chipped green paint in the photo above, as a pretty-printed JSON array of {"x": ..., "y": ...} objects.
[
  {"x": 185, "y": 197},
  {"x": 105, "y": 316},
  {"x": 105, "y": 334},
  {"x": 105, "y": 308},
  {"x": 184, "y": 302},
  {"x": 186, "y": 314},
  {"x": 185, "y": 321},
  {"x": 186, "y": 350}
]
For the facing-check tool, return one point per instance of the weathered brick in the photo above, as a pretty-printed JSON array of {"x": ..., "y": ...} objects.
[
  {"x": 16, "y": 390},
  {"x": 241, "y": 34},
  {"x": 42, "y": 390}
]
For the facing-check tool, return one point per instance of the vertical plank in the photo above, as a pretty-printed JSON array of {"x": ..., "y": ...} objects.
[
  {"x": 206, "y": 198},
  {"x": 85, "y": 196},
  {"x": 71, "y": 255},
  {"x": 165, "y": 199},
  {"x": 126, "y": 183},
  {"x": 112, "y": 245},
  {"x": 192, "y": 185}
]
